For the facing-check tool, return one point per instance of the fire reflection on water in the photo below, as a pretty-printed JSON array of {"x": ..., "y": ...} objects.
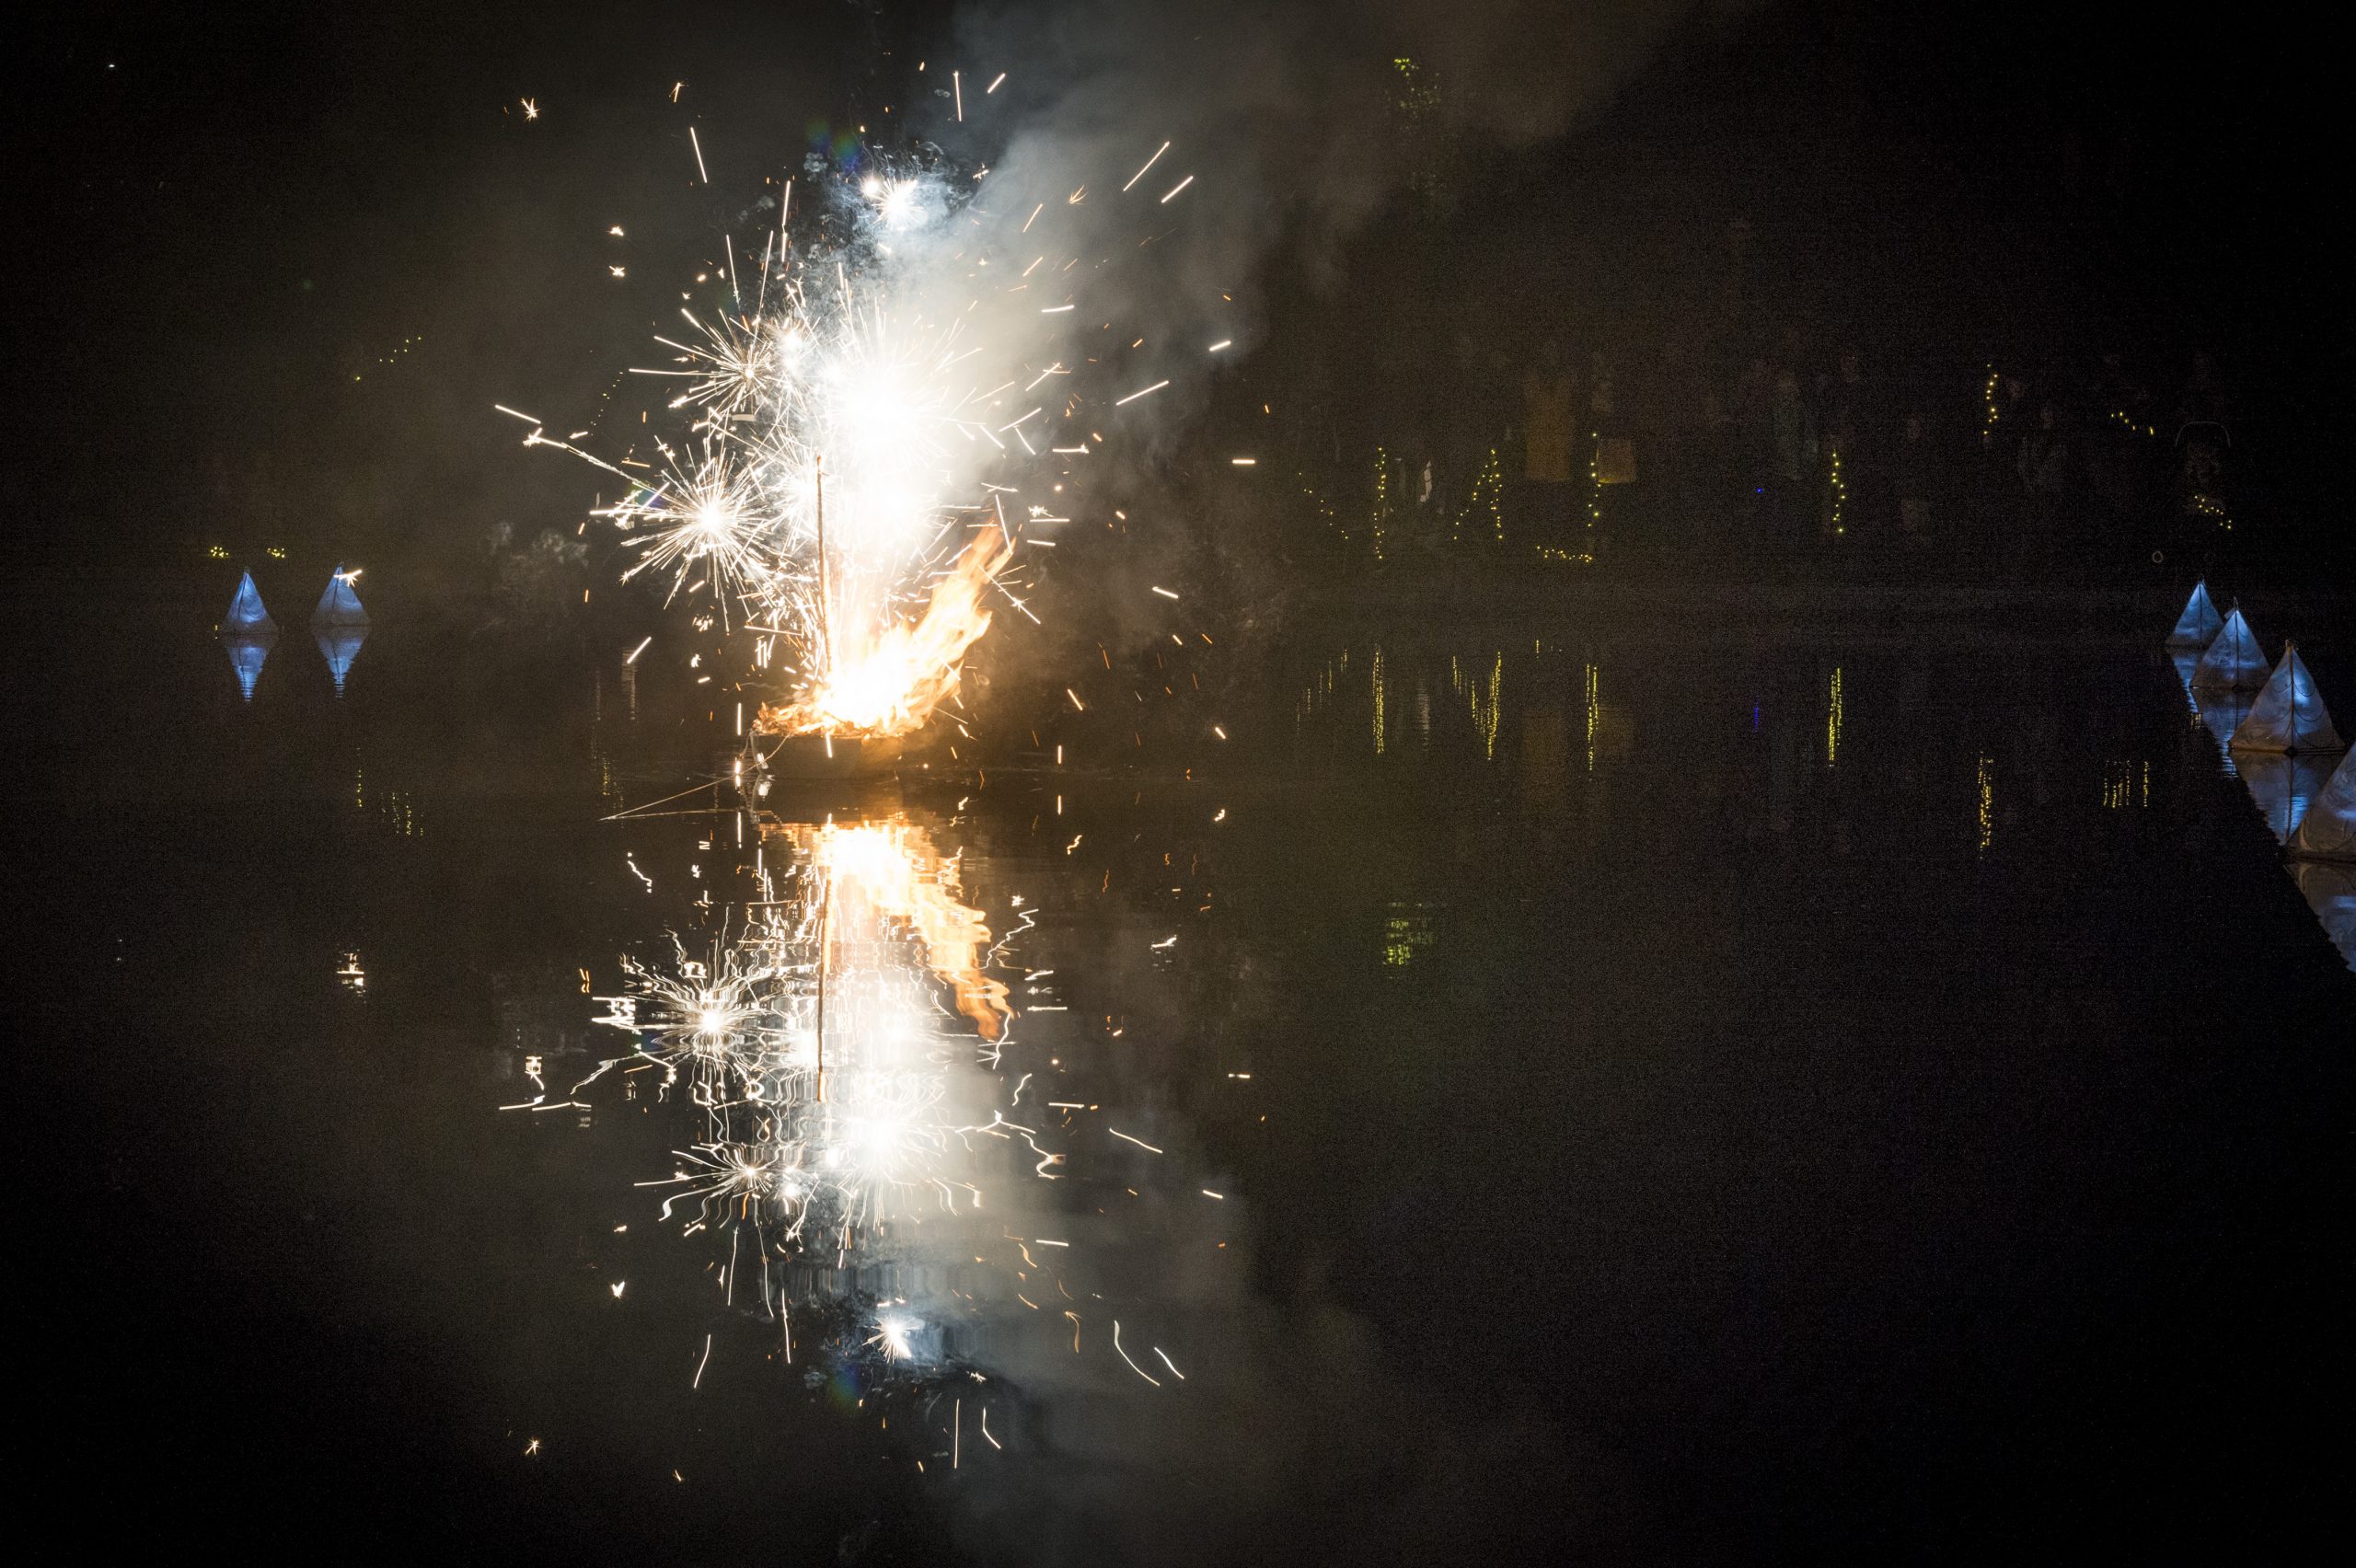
[
  {"x": 811, "y": 1036},
  {"x": 887, "y": 875},
  {"x": 872, "y": 1145}
]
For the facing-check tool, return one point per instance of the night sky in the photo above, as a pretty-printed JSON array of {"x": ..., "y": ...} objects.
[{"x": 223, "y": 219}]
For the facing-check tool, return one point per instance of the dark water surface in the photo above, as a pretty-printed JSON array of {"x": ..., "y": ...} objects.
[{"x": 1682, "y": 1094}]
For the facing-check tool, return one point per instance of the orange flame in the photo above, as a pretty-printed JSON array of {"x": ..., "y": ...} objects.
[
  {"x": 890, "y": 680},
  {"x": 889, "y": 874}
]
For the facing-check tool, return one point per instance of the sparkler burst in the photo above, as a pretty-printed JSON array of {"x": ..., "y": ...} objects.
[
  {"x": 867, "y": 412},
  {"x": 703, "y": 521},
  {"x": 874, "y": 1154},
  {"x": 811, "y": 1038},
  {"x": 864, "y": 406},
  {"x": 835, "y": 1094}
]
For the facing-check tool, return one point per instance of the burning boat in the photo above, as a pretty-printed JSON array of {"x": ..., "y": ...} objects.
[{"x": 871, "y": 697}]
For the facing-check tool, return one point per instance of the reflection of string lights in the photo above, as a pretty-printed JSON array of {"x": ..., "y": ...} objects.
[
  {"x": 1495, "y": 709},
  {"x": 1485, "y": 706},
  {"x": 1407, "y": 930},
  {"x": 1322, "y": 686},
  {"x": 1594, "y": 712},
  {"x": 2126, "y": 785},
  {"x": 1987, "y": 802},
  {"x": 1833, "y": 718}
]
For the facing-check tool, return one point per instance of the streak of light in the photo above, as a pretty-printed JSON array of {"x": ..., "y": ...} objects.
[
  {"x": 1149, "y": 164},
  {"x": 1124, "y": 1355}
]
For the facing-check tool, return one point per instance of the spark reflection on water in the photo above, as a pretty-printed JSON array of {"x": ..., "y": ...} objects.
[
  {"x": 877, "y": 1139},
  {"x": 1602, "y": 983}
]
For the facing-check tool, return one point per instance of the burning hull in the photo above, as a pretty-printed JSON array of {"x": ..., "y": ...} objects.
[{"x": 792, "y": 758}]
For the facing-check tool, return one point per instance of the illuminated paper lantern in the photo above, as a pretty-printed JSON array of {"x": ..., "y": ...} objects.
[
  {"x": 247, "y": 618},
  {"x": 339, "y": 606},
  {"x": 2233, "y": 662},
  {"x": 2198, "y": 627},
  {"x": 2289, "y": 714}
]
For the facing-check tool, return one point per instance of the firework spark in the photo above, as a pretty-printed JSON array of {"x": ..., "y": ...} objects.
[{"x": 848, "y": 398}]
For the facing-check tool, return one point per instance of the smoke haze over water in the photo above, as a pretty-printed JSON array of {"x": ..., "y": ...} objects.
[{"x": 1291, "y": 139}]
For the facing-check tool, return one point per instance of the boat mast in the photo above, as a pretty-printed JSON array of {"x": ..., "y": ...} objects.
[
  {"x": 826, "y": 626},
  {"x": 825, "y": 912}
]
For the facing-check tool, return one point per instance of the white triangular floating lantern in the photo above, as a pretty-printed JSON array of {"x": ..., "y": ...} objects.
[
  {"x": 2289, "y": 714},
  {"x": 247, "y": 618},
  {"x": 339, "y": 607},
  {"x": 2198, "y": 627},
  {"x": 2234, "y": 661}
]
